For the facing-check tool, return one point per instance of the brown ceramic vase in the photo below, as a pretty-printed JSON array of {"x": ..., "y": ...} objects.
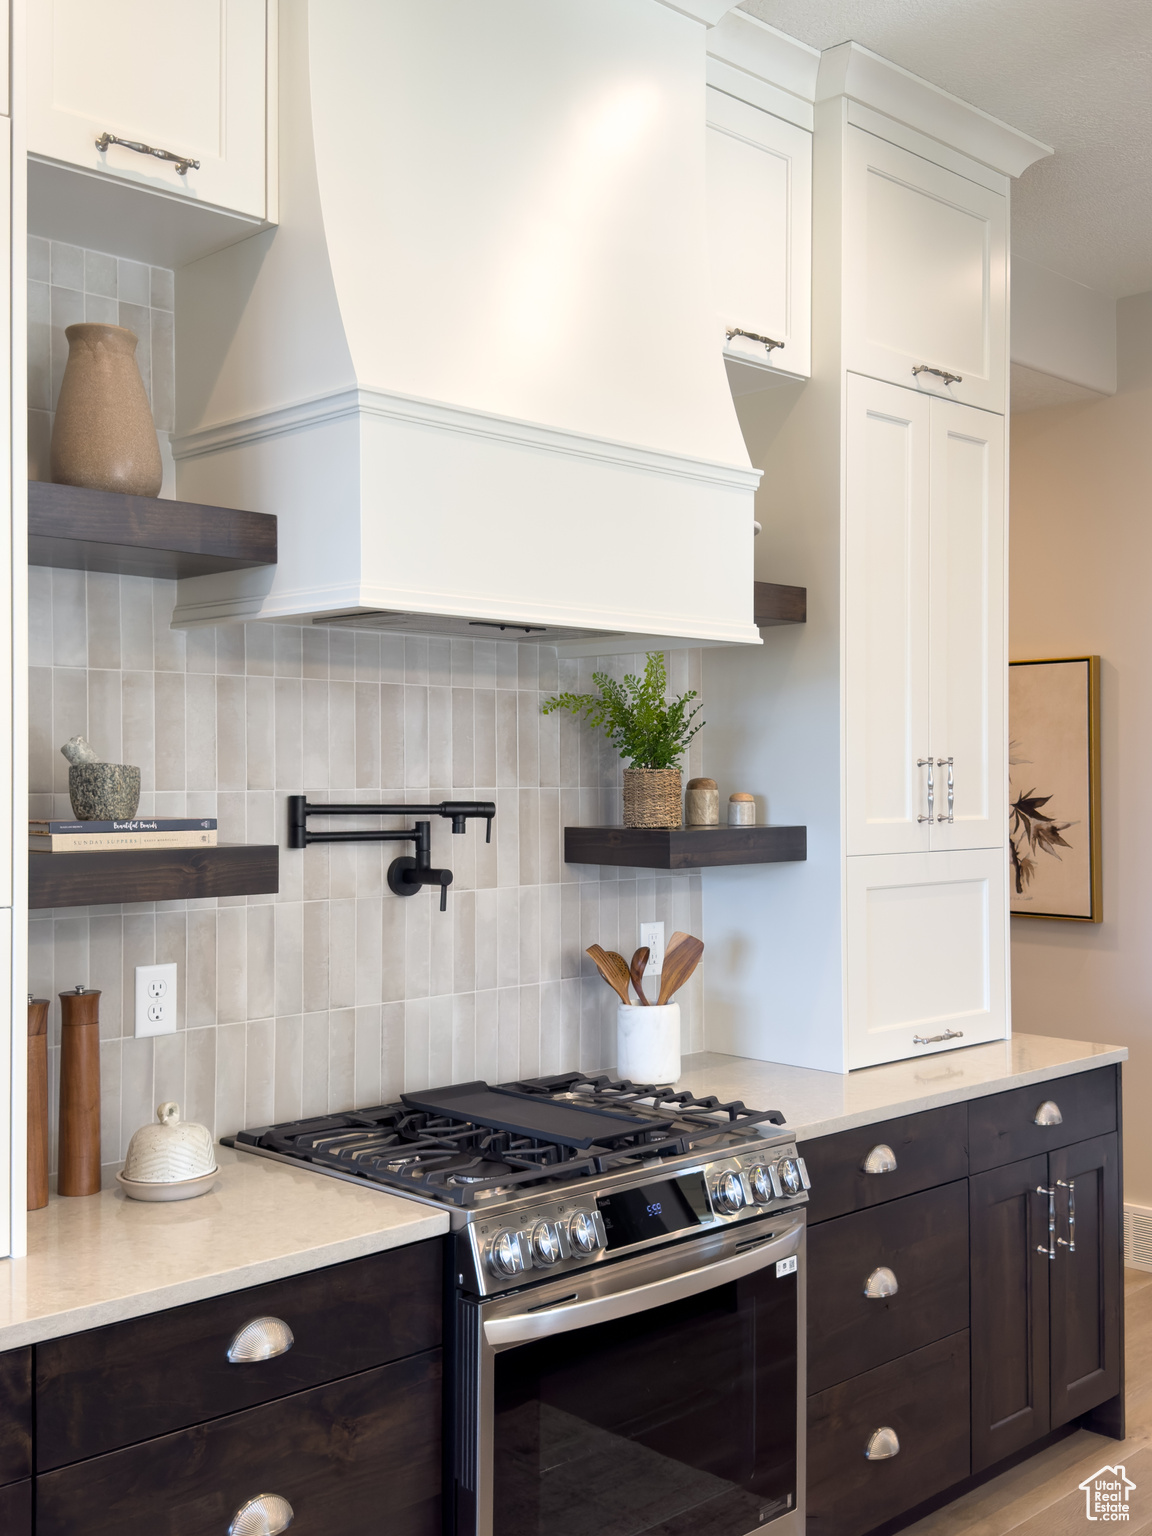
[{"x": 103, "y": 436}]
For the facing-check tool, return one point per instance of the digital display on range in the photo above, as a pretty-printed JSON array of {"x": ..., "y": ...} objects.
[{"x": 654, "y": 1210}]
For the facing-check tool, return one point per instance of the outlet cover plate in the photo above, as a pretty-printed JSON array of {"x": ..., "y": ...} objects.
[
  {"x": 652, "y": 935},
  {"x": 156, "y": 999}
]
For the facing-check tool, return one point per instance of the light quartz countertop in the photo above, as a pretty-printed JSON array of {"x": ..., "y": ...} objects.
[
  {"x": 103, "y": 1258},
  {"x": 818, "y": 1103}
]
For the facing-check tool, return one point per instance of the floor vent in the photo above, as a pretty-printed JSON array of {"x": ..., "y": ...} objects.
[{"x": 1138, "y": 1236}]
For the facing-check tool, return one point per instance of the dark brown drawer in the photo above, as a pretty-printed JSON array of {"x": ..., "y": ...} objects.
[
  {"x": 171, "y": 1369},
  {"x": 923, "y": 1397},
  {"x": 16, "y": 1509},
  {"x": 355, "y": 1456},
  {"x": 15, "y": 1416},
  {"x": 930, "y": 1148},
  {"x": 923, "y": 1240},
  {"x": 1002, "y": 1127}
]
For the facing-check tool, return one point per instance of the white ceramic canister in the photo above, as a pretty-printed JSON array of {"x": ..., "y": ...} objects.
[{"x": 648, "y": 1043}]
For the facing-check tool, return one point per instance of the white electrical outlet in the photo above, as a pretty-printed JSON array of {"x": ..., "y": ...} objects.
[
  {"x": 156, "y": 999},
  {"x": 652, "y": 935}
]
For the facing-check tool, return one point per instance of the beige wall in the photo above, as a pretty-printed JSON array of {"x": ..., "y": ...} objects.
[{"x": 1081, "y": 583}]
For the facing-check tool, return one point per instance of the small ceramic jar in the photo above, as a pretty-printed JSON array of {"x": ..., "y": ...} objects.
[
  {"x": 169, "y": 1151},
  {"x": 741, "y": 810},
  {"x": 702, "y": 803}
]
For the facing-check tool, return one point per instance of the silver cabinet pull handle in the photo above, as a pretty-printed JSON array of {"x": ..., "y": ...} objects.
[
  {"x": 1048, "y": 1114},
  {"x": 1043, "y": 1189},
  {"x": 1070, "y": 1186},
  {"x": 262, "y": 1339},
  {"x": 881, "y": 1159},
  {"x": 183, "y": 163},
  {"x": 946, "y": 762},
  {"x": 883, "y": 1444},
  {"x": 267, "y": 1514},
  {"x": 766, "y": 341},
  {"x": 949, "y": 1034},
  {"x": 927, "y": 762},
  {"x": 880, "y": 1283},
  {"x": 941, "y": 373}
]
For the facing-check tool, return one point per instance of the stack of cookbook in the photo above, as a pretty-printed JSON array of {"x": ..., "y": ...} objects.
[{"x": 140, "y": 832}]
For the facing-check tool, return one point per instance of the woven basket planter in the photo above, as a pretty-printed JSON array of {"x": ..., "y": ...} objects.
[{"x": 652, "y": 797}]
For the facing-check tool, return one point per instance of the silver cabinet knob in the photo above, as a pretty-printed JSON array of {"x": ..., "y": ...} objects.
[
  {"x": 883, "y": 1444},
  {"x": 881, "y": 1282},
  {"x": 265, "y": 1515},
  {"x": 262, "y": 1339},
  {"x": 881, "y": 1159},
  {"x": 1048, "y": 1114}
]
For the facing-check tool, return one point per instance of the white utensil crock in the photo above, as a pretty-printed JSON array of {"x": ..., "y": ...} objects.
[{"x": 648, "y": 1043}]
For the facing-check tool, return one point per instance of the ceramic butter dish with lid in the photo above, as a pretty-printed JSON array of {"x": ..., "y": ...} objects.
[{"x": 171, "y": 1160}]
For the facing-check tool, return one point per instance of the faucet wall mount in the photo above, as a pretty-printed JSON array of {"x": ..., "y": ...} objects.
[{"x": 406, "y": 875}]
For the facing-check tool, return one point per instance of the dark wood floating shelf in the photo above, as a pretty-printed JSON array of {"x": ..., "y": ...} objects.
[
  {"x": 82, "y": 530},
  {"x": 774, "y": 604},
  {"x": 684, "y": 847},
  {"x": 151, "y": 874}
]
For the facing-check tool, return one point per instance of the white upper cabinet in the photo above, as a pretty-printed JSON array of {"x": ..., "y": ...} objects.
[
  {"x": 925, "y": 297},
  {"x": 759, "y": 171},
  {"x": 188, "y": 77},
  {"x": 924, "y": 623},
  {"x": 887, "y": 741},
  {"x": 966, "y": 645}
]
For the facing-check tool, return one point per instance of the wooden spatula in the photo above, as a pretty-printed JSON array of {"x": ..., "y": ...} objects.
[
  {"x": 639, "y": 961},
  {"x": 613, "y": 968},
  {"x": 680, "y": 959}
]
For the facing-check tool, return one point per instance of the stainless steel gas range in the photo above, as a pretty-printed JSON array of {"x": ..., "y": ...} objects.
[{"x": 627, "y": 1308}]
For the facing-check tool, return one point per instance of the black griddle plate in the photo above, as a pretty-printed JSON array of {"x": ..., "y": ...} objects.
[{"x": 529, "y": 1114}]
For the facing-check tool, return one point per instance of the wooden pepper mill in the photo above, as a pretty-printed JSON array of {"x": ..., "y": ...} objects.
[
  {"x": 79, "y": 1171},
  {"x": 37, "y": 1102}
]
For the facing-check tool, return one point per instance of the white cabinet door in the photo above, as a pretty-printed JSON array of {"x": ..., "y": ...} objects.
[
  {"x": 927, "y": 941},
  {"x": 966, "y": 627},
  {"x": 187, "y": 76},
  {"x": 887, "y": 739},
  {"x": 759, "y": 172},
  {"x": 926, "y": 284}
]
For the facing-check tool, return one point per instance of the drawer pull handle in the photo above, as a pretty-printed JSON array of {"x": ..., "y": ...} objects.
[
  {"x": 766, "y": 341},
  {"x": 949, "y": 1034},
  {"x": 881, "y": 1159},
  {"x": 883, "y": 1445},
  {"x": 1048, "y": 1114},
  {"x": 941, "y": 373},
  {"x": 880, "y": 1283},
  {"x": 262, "y": 1339},
  {"x": 1070, "y": 1186},
  {"x": 265, "y": 1515},
  {"x": 183, "y": 163},
  {"x": 1049, "y": 1191}
]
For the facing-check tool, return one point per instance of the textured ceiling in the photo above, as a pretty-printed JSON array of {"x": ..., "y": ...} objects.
[{"x": 1075, "y": 73}]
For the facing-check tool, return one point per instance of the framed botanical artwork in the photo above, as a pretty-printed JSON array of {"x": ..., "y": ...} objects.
[{"x": 1054, "y": 788}]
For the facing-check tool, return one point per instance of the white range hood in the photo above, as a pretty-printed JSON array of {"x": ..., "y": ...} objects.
[{"x": 475, "y": 371}]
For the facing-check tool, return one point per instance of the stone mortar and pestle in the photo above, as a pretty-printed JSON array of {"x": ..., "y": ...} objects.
[{"x": 99, "y": 791}]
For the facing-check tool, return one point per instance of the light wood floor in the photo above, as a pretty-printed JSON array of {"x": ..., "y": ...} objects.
[{"x": 1041, "y": 1497}]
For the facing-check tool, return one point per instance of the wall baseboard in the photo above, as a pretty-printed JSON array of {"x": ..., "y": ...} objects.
[{"x": 1138, "y": 1237}]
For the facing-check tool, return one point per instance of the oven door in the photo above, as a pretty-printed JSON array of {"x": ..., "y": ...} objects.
[{"x": 654, "y": 1396}]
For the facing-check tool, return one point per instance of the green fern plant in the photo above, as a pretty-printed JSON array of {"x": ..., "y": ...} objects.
[{"x": 634, "y": 715}]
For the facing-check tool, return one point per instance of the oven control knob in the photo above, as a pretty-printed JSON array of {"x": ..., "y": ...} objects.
[
  {"x": 582, "y": 1231},
  {"x": 761, "y": 1184},
  {"x": 729, "y": 1192},
  {"x": 504, "y": 1255},
  {"x": 790, "y": 1180},
  {"x": 545, "y": 1243}
]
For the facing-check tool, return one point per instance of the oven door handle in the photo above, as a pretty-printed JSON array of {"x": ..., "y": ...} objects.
[{"x": 521, "y": 1327}]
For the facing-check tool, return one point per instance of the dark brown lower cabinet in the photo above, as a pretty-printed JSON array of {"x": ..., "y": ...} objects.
[
  {"x": 923, "y": 1399},
  {"x": 16, "y": 1509},
  {"x": 1046, "y": 1332},
  {"x": 353, "y": 1458}
]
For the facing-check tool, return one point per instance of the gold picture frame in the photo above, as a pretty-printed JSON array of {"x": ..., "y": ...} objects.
[{"x": 1054, "y": 795}]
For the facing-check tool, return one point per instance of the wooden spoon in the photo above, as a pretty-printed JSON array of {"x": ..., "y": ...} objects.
[
  {"x": 639, "y": 961},
  {"x": 614, "y": 969},
  {"x": 680, "y": 959}
]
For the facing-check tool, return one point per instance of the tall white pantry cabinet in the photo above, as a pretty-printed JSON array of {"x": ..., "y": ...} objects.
[{"x": 881, "y": 724}]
